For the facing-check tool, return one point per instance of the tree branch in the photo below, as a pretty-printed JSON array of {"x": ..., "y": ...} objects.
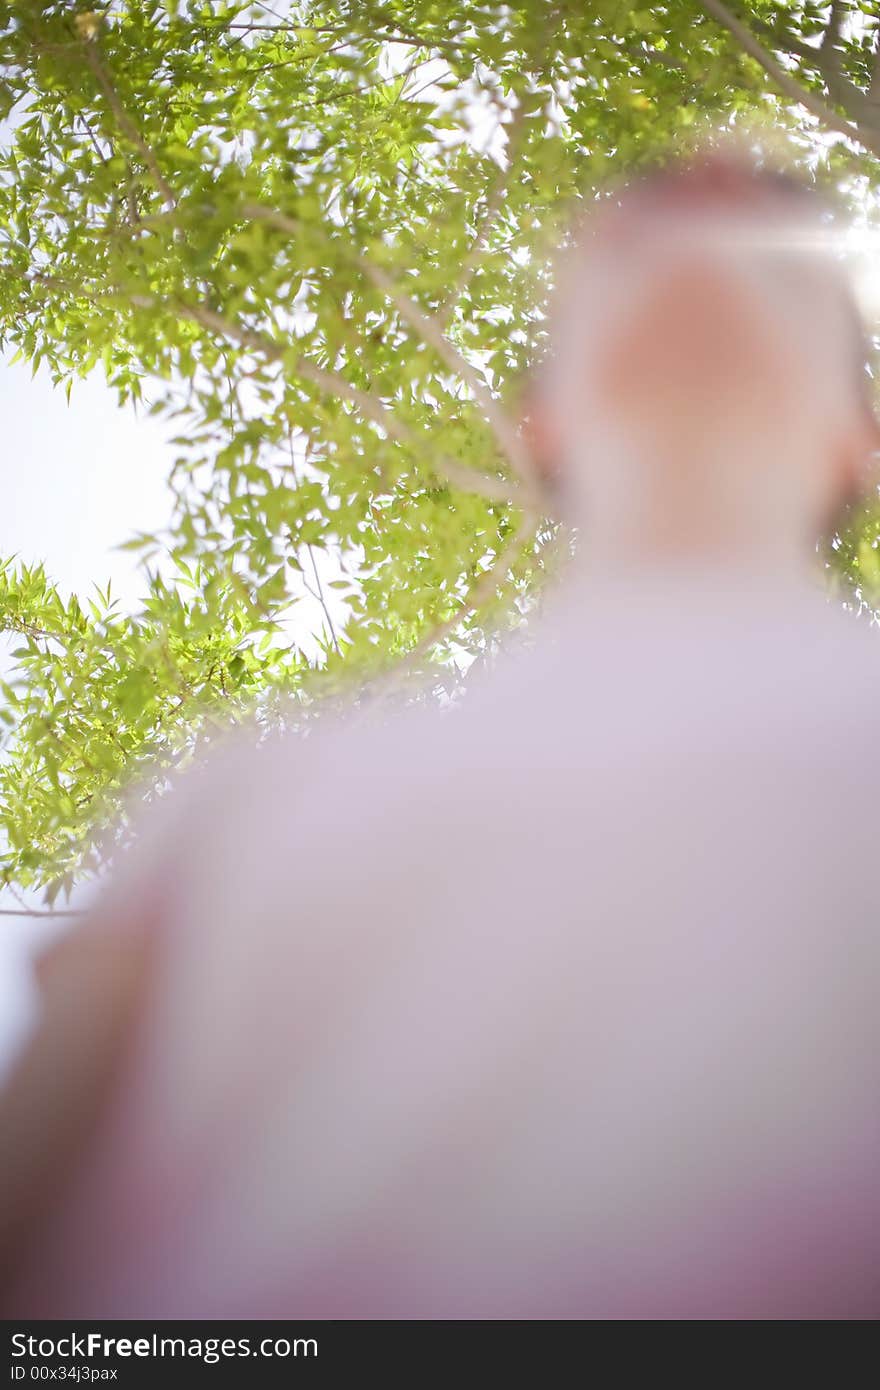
[
  {"x": 829, "y": 60},
  {"x": 124, "y": 121},
  {"x": 831, "y": 37},
  {"x": 862, "y": 107},
  {"x": 506, "y": 436},
  {"x": 482, "y": 592},
  {"x": 787, "y": 84},
  {"x": 429, "y": 330},
  {"x": 793, "y": 46},
  {"x": 872, "y": 97},
  {"x": 469, "y": 480},
  {"x": 493, "y": 489}
]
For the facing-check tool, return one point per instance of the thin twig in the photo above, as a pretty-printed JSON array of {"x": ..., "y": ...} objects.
[
  {"x": 42, "y": 912},
  {"x": 494, "y": 207},
  {"x": 320, "y": 588},
  {"x": 406, "y": 38},
  {"x": 91, "y": 134},
  {"x": 11, "y": 888},
  {"x": 10, "y": 623},
  {"x": 129, "y": 195},
  {"x": 278, "y": 28}
]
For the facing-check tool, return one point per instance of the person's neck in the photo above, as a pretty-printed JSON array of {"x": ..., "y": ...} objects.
[
  {"x": 731, "y": 562},
  {"x": 727, "y": 510}
]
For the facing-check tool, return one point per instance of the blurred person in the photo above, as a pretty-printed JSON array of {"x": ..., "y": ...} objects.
[{"x": 564, "y": 1004}]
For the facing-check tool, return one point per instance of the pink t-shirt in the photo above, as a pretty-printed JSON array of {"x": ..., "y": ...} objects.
[{"x": 559, "y": 1003}]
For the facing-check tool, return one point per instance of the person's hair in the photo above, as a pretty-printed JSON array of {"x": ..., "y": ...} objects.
[
  {"x": 722, "y": 180},
  {"x": 730, "y": 182}
]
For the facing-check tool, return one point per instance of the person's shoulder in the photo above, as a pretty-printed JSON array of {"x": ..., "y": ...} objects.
[
  {"x": 839, "y": 655},
  {"x": 339, "y": 757}
]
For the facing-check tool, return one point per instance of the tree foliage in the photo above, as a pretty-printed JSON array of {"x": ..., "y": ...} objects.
[{"x": 315, "y": 237}]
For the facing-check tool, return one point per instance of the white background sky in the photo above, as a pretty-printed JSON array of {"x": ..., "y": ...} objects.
[{"x": 77, "y": 480}]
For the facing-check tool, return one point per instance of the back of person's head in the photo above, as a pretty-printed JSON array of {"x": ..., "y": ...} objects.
[{"x": 706, "y": 351}]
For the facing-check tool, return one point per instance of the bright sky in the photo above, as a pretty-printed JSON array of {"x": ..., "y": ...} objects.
[{"x": 77, "y": 480}]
